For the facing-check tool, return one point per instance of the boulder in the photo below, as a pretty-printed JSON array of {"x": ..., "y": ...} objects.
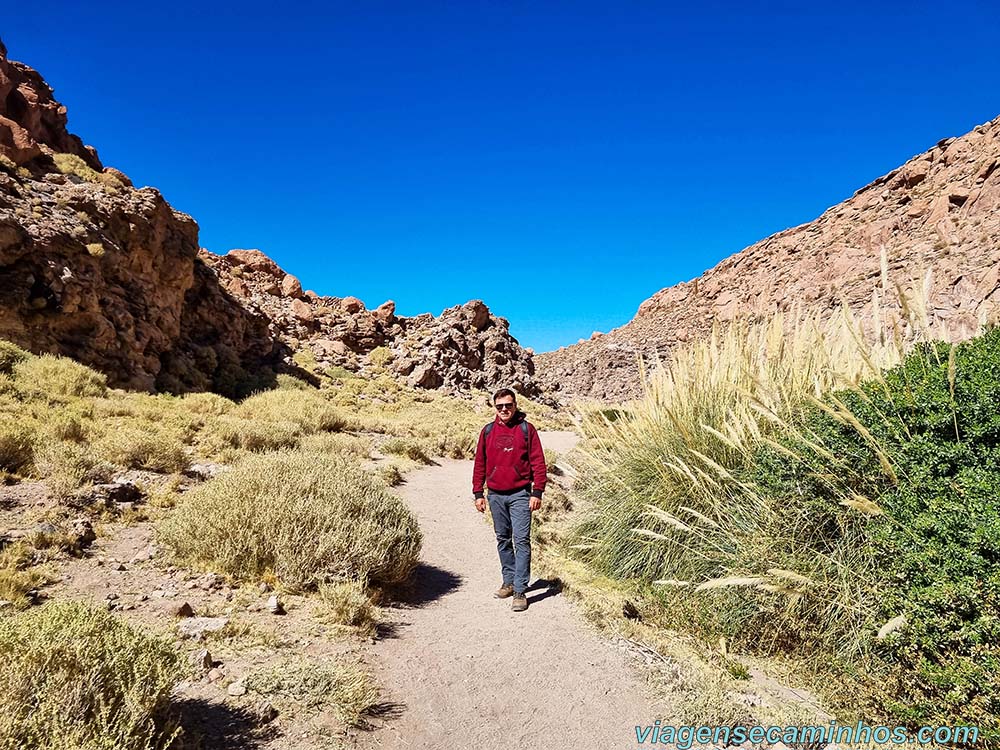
[
  {"x": 351, "y": 305},
  {"x": 290, "y": 287}
]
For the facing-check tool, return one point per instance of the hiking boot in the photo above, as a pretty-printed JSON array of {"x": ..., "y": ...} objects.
[
  {"x": 519, "y": 603},
  {"x": 504, "y": 591}
]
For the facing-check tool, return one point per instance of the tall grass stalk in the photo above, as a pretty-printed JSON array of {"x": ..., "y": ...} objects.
[{"x": 671, "y": 492}]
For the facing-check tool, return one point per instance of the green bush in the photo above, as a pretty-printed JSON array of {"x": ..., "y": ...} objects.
[
  {"x": 308, "y": 518},
  {"x": 77, "y": 677},
  {"x": 916, "y": 462}
]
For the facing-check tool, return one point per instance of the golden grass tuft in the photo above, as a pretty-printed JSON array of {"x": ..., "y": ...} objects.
[
  {"x": 348, "y": 604},
  {"x": 343, "y": 686}
]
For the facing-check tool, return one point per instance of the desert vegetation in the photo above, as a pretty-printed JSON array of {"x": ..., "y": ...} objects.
[
  {"x": 793, "y": 490},
  {"x": 286, "y": 490},
  {"x": 76, "y": 676},
  {"x": 306, "y": 519}
]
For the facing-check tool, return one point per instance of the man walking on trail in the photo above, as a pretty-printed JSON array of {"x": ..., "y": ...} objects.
[{"x": 509, "y": 460}]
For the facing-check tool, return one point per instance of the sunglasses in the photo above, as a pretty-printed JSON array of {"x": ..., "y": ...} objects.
[{"x": 505, "y": 407}]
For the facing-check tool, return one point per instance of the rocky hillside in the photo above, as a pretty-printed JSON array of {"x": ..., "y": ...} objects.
[
  {"x": 466, "y": 346},
  {"x": 938, "y": 214},
  {"x": 111, "y": 275}
]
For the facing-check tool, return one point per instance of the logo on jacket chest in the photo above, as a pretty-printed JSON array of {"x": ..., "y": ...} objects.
[{"x": 506, "y": 443}]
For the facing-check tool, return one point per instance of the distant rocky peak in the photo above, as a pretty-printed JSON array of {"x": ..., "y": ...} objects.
[{"x": 33, "y": 124}]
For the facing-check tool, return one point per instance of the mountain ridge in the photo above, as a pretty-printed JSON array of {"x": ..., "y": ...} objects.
[{"x": 937, "y": 213}]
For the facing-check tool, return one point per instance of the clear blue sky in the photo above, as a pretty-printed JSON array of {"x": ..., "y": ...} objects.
[{"x": 561, "y": 160}]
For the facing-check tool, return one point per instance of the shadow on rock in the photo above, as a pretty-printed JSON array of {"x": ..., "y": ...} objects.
[
  {"x": 427, "y": 584},
  {"x": 217, "y": 726}
]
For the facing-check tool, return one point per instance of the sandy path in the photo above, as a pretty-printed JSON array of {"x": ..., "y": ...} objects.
[{"x": 466, "y": 672}]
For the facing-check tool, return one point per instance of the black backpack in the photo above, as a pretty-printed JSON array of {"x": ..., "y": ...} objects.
[{"x": 489, "y": 428}]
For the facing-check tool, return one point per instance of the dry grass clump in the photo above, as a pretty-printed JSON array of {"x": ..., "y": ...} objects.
[
  {"x": 390, "y": 472},
  {"x": 16, "y": 446},
  {"x": 666, "y": 464},
  {"x": 210, "y": 404},
  {"x": 68, "y": 465},
  {"x": 349, "y": 604},
  {"x": 308, "y": 409},
  {"x": 10, "y": 355},
  {"x": 52, "y": 378},
  {"x": 337, "y": 442},
  {"x": 19, "y": 574},
  {"x": 306, "y": 518},
  {"x": 343, "y": 686},
  {"x": 227, "y": 437},
  {"x": 71, "y": 164},
  {"x": 147, "y": 446},
  {"x": 77, "y": 677},
  {"x": 411, "y": 449}
]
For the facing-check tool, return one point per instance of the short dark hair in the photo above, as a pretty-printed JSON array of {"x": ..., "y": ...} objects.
[{"x": 504, "y": 392}]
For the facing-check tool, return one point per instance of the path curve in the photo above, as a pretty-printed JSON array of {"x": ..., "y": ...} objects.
[{"x": 466, "y": 672}]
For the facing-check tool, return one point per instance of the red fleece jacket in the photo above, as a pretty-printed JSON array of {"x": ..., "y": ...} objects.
[{"x": 506, "y": 461}]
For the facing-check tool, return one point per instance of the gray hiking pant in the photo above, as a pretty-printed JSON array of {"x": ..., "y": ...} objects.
[{"x": 512, "y": 524}]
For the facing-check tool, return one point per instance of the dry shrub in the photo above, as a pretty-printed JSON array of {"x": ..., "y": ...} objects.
[
  {"x": 343, "y": 686},
  {"x": 77, "y": 677},
  {"x": 306, "y": 408},
  {"x": 206, "y": 403},
  {"x": 390, "y": 473},
  {"x": 337, "y": 442},
  {"x": 348, "y": 603},
  {"x": 17, "y": 576},
  {"x": 65, "y": 466},
  {"x": 15, "y": 445},
  {"x": 411, "y": 449},
  {"x": 143, "y": 447},
  {"x": 52, "y": 378},
  {"x": 226, "y": 434},
  {"x": 307, "y": 518},
  {"x": 10, "y": 355}
]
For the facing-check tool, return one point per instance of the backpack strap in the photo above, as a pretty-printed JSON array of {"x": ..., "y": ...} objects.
[{"x": 524, "y": 428}]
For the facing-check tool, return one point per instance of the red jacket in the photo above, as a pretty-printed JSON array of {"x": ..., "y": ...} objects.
[{"x": 507, "y": 460}]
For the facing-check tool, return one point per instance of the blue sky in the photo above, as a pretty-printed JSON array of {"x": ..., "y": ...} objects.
[{"x": 560, "y": 160}]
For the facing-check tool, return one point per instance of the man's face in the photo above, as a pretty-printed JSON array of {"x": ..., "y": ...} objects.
[{"x": 505, "y": 406}]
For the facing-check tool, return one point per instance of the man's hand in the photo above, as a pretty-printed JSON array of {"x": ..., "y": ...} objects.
[
  {"x": 535, "y": 503},
  {"x": 481, "y": 504}
]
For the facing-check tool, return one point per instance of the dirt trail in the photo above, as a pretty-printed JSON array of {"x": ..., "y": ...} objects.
[{"x": 466, "y": 672}]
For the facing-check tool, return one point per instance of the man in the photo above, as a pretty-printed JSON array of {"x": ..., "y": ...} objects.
[{"x": 509, "y": 460}]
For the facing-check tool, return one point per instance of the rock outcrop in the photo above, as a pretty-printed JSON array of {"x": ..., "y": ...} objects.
[
  {"x": 32, "y": 122},
  {"x": 935, "y": 218},
  {"x": 97, "y": 270},
  {"x": 465, "y": 347}
]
